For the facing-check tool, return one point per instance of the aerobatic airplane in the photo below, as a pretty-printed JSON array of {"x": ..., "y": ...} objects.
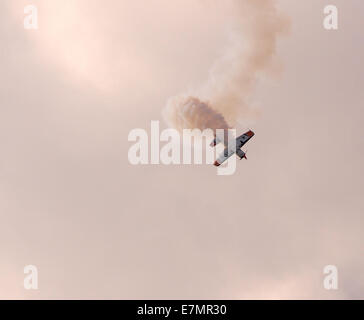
[{"x": 227, "y": 153}]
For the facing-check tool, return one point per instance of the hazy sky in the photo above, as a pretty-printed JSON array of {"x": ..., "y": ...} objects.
[{"x": 98, "y": 227}]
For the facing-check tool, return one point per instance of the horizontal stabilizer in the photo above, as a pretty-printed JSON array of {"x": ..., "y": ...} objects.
[{"x": 215, "y": 142}]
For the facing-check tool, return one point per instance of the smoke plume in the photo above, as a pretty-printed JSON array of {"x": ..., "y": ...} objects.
[
  {"x": 186, "y": 112},
  {"x": 233, "y": 77}
]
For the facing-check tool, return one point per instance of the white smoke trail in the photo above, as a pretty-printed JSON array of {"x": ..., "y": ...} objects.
[
  {"x": 233, "y": 77},
  {"x": 185, "y": 112}
]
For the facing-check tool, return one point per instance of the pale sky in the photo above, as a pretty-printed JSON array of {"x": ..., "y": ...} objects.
[{"x": 98, "y": 227}]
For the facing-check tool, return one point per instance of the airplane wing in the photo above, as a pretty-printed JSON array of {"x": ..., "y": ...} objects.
[
  {"x": 244, "y": 138},
  {"x": 226, "y": 154}
]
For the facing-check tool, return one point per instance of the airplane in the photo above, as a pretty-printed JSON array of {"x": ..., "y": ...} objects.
[{"x": 227, "y": 153}]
